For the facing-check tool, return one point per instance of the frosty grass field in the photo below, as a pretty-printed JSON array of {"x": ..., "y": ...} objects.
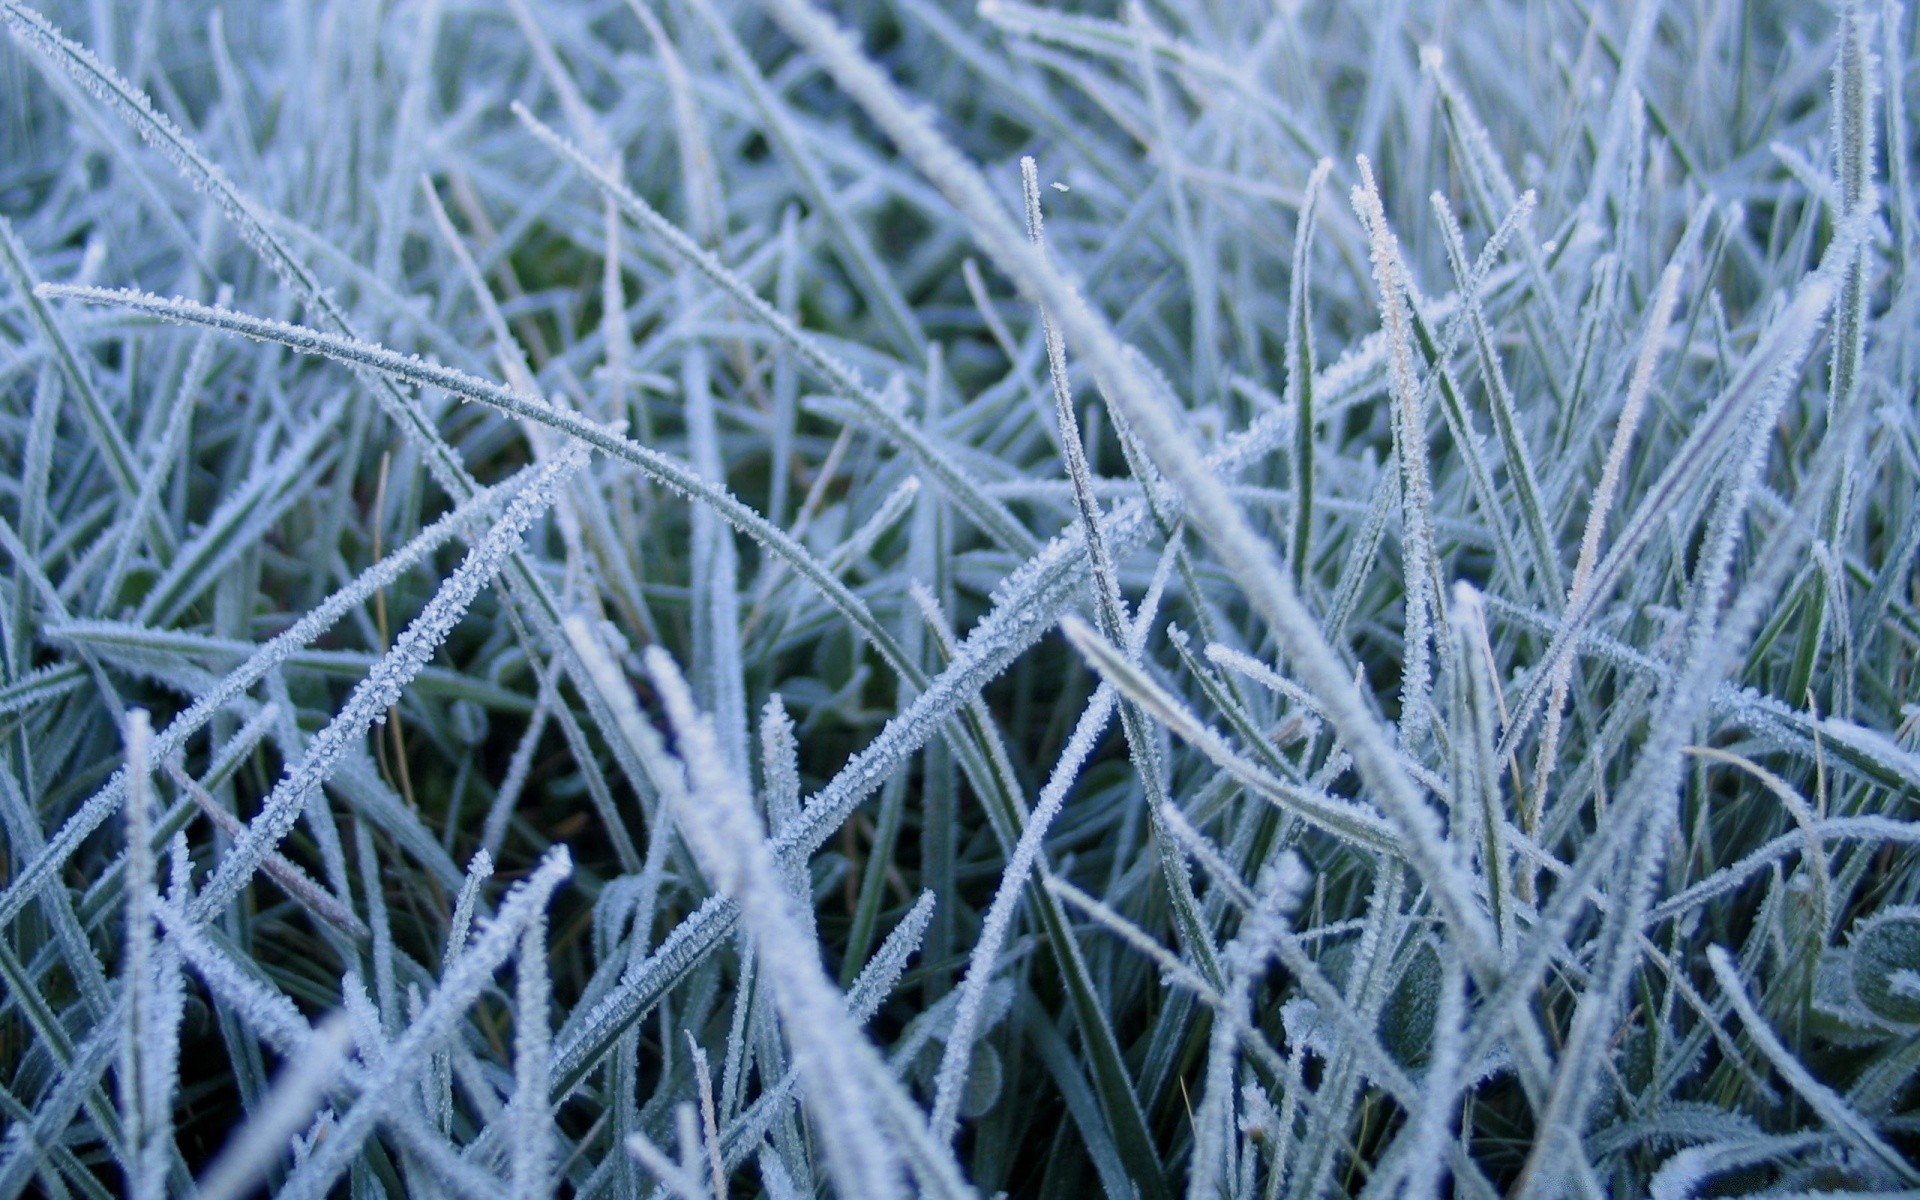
[{"x": 709, "y": 598}]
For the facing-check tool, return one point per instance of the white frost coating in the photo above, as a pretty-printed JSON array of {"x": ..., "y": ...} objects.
[
  {"x": 746, "y": 1133},
  {"x": 530, "y": 1114},
  {"x": 1758, "y": 384},
  {"x": 1602, "y": 503},
  {"x": 685, "y": 370},
  {"x": 253, "y": 1148},
  {"x": 171, "y": 740},
  {"x": 479, "y": 870},
  {"x": 145, "y": 1078},
  {"x": 780, "y": 779},
  {"x": 664, "y": 468},
  {"x": 1410, "y": 440},
  {"x": 1649, "y": 805},
  {"x": 390, "y": 1082},
  {"x": 1243, "y": 551},
  {"x": 1830, "y": 1105},
  {"x": 381, "y": 689},
  {"x": 1343, "y": 817},
  {"x": 270, "y": 1013},
  {"x": 957, "y": 1056},
  {"x": 827, "y": 1048},
  {"x": 1246, "y": 956},
  {"x": 989, "y": 513}
]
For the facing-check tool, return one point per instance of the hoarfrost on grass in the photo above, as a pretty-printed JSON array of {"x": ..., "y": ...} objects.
[{"x": 1503, "y": 586}]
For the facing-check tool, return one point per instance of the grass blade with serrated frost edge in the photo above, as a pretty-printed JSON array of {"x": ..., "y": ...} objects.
[
  {"x": 1858, "y": 199},
  {"x": 661, "y": 467},
  {"x": 661, "y": 773},
  {"x": 94, "y": 414},
  {"x": 382, "y": 687},
  {"x": 270, "y": 1014},
  {"x": 140, "y": 1051},
  {"x": 1557, "y": 919},
  {"x": 1117, "y": 1053},
  {"x": 161, "y": 133},
  {"x": 1245, "y": 554},
  {"x": 619, "y": 447},
  {"x": 531, "y": 1116},
  {"x": 1602, "y": 502},
  {"x": 1346, "y": 820},
  {"x": 292, "y": 880},
  {"x": 1410, "y": 445},
  {"x": 727, "y": 837},
  {"x": 1786, "y": 341},
  {"x": 956, "y": 1057},
  {"x": 1477, "y": 810},
  {"x": 1650, "y": 796},
  {"x": 173, "y": 738},
  {"x": 259, "y": 233},
  {"x": 1832, "y": 1107},
  {"x": 254, "y": 228},
  {"x": 1506, "y": 419},
  {"x": 746, "y": 1133},
  {"x": 1027, "y": 607},
  {"x": 390, "y": 1082},
  {"x": 1110, "y": 609},
  {"x": 778, "y": 122},
  {"x": 991, "y": 515}
]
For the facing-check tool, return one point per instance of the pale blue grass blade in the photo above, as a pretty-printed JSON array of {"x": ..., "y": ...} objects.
[
  {"x": 1300, "y": 369},
  {"x": 458, "y": 988},
  {"x": 295, "y": 882},
  {"x": 1832, "y": 1108},
  {"x": 981, "y": 964},
  {"x": 382, "y": 687},
  {"x": 298, "y": 1092},
  {"x": 380, "y": 944},
  {"x": 1418, "y": 548},
  {"x": 1110, "y": 609},
  {"x": 728, "y": 839},
  {"x": 1247, "y": 555},
  {"x": 1343, "y": 818},
  {"x": 990, "y": 514},
  {"x": 145, "y": 1083},
  {"x": 742, "y": 1136},
  {"x": 665, "y": 469},
  {"x": 1691, "y": 651},
  {"x": 174, "y": 737},
  {"x": 715, "y": 573},
  {"x": 531, "y": 1117},
  {"x": 133, "y": 106},
  {"x": 101, "y": 423},
  {"x": 782, "y": 129}
]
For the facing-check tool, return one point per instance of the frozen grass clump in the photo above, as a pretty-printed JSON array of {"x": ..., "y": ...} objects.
[{"x": 705, "y": 597}]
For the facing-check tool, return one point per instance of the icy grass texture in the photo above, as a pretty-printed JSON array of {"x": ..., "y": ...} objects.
[{"x": 1472, "y": 451}]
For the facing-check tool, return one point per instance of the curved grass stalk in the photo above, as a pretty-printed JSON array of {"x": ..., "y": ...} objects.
[
  {"x": 661, "y": 467},
  {"x": 45, "y": 866},
  {"x": 990, "y": 514},
  {"x": 1212, "y": 510}
]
